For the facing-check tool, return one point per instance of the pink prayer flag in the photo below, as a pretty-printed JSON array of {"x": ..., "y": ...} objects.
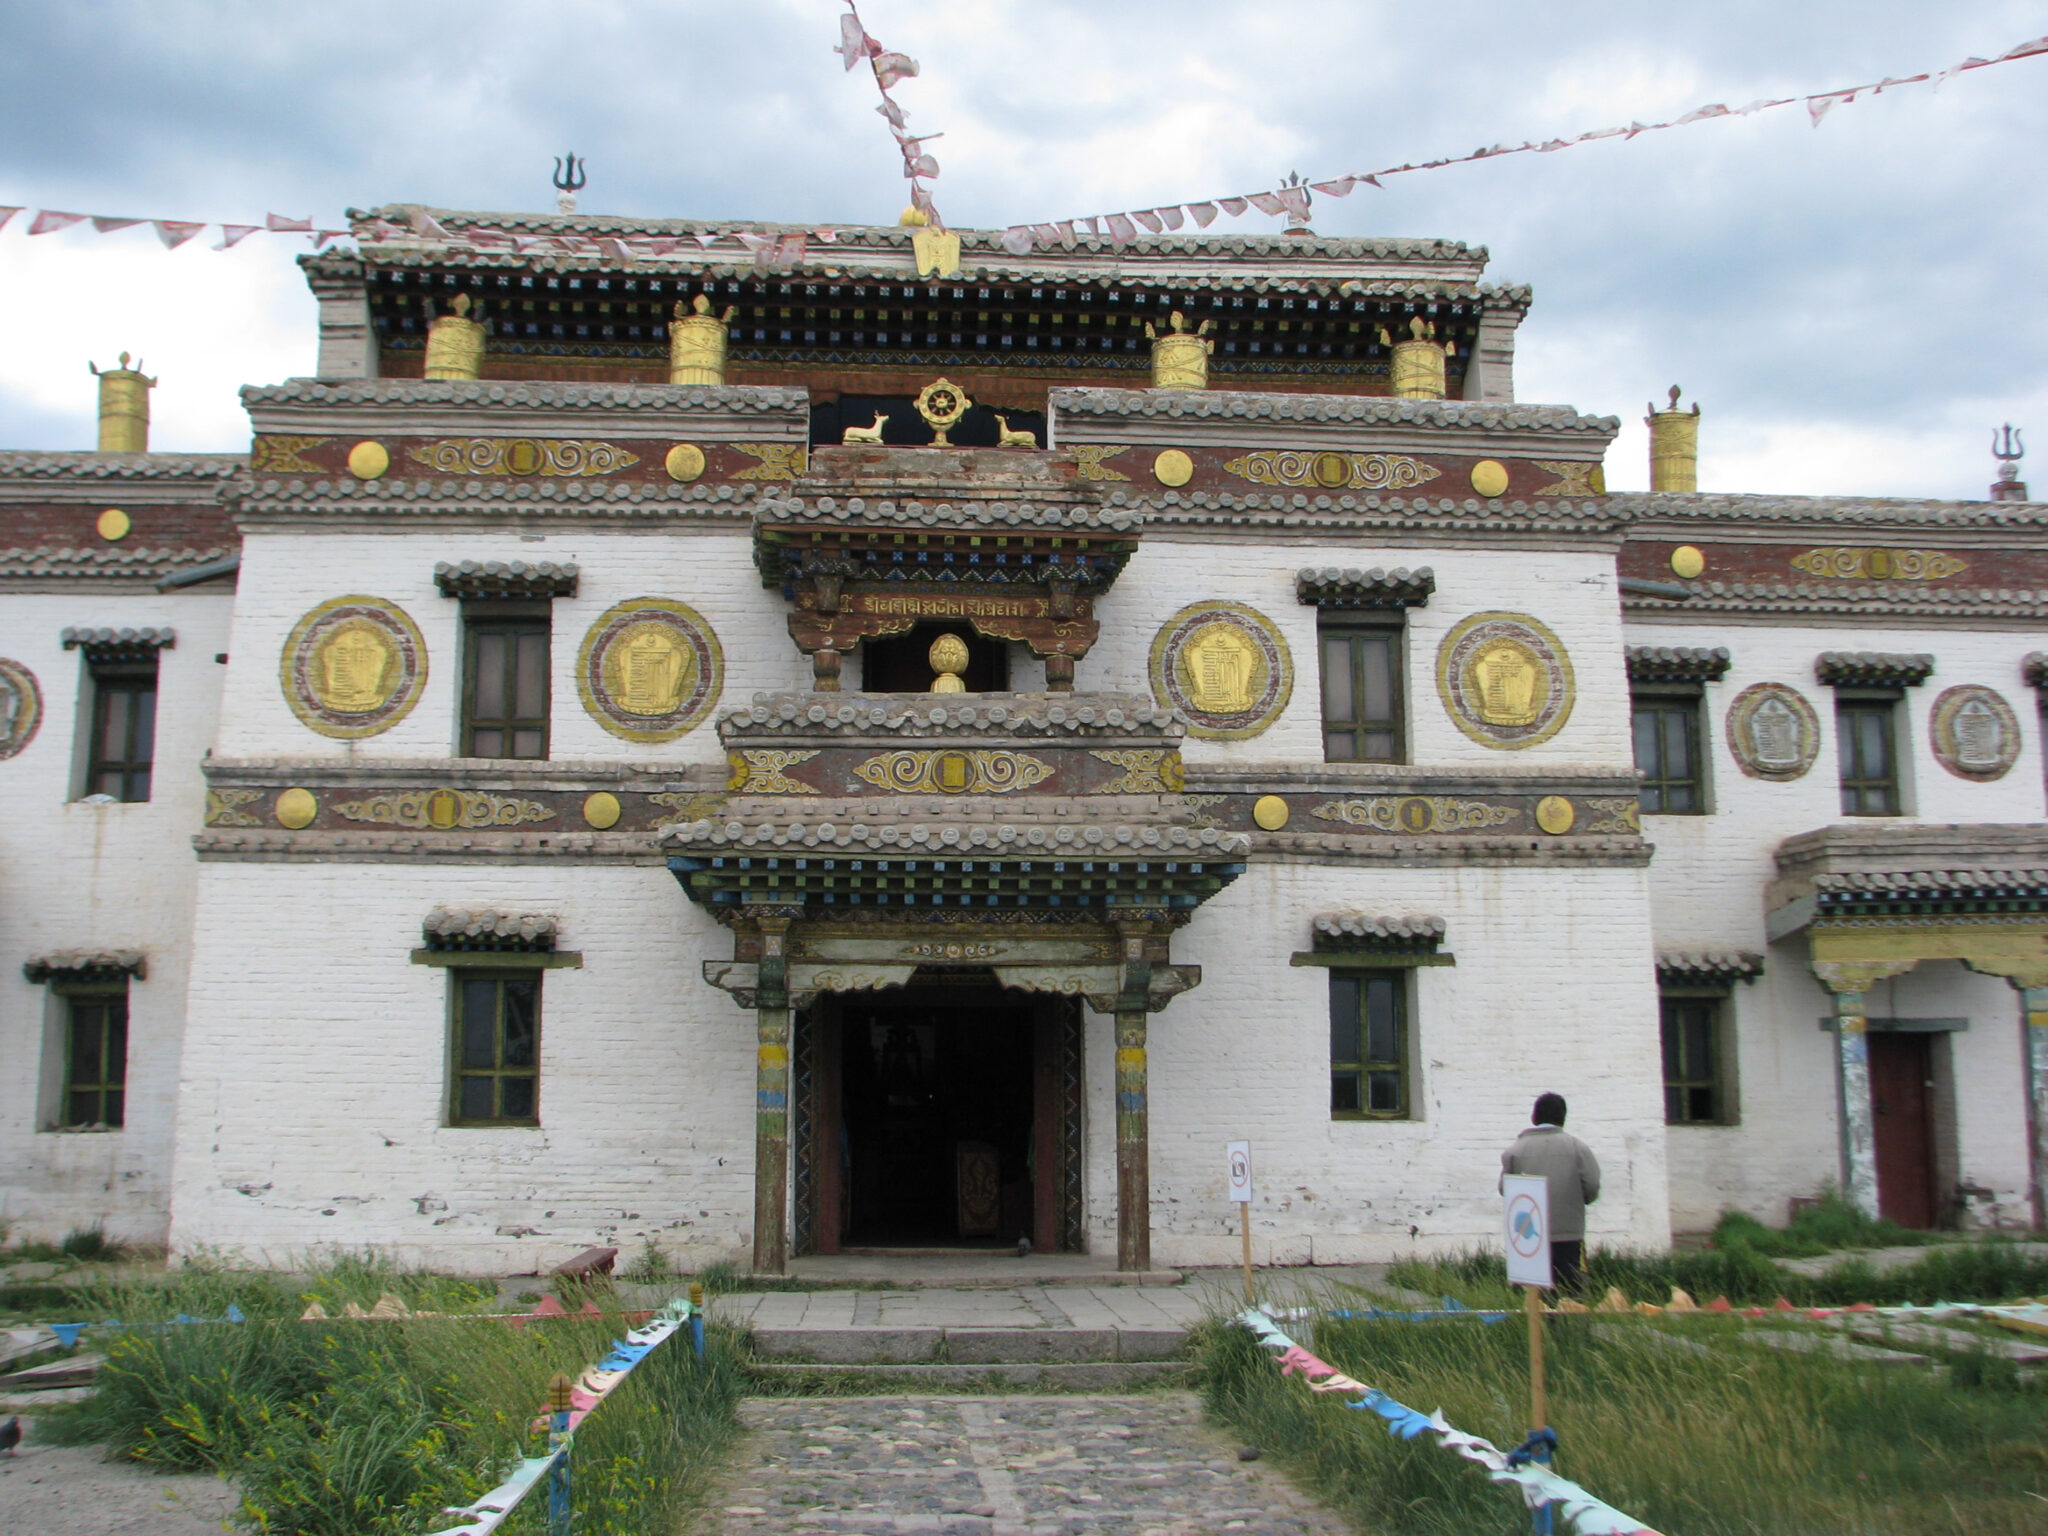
[
  {"x": 1093, "y": 224},
  {"x": 6, "y": 214},
  {"x": 789, "y": 251},
  {"x": 1174, "y": 216},
  {"x": 321, "y": 237},
  {"x": 1066, "y": 234},
  {"x": 235, "y": 234},
  {"x": 921, "y": 165},
  {"x": 892, "y": 67},
  {"x": 826, "y": 236},
  {"x": 1818, "y": 107},
  {"x": 1294, "y": 200},
  {"x": 1341, "y": 187},
  {"x": 2025, "y": 50},
  {"x": 1151, "y": 221},
  {"x": 1017, "y": 240},
  {"x": 175, "y": 232},
  {"x": 1372, "y": 181},
  {"x": 706, "y": 240},
  {"x": 1551, "y": 146},
  {"x": 1044, "y": 234},
  {"x": 616, "y": 249},
  {"x": 896, "y": 115},
  {"x": 1121, "y": 231},
  {"x": 108, "y": 226},
  {"x": 853, "y": 42},
  {"x": 280, "y": 222},
  {"x": 522, "y": 244},
  {"x": 1234, "y": 206},
  {"x": 752, "y": 242},
  {"x": 1266, "y": 202},
  {"x": 48, "y": 222},
  {"x": 1204, "y": 214},
  {"x": 424, "y": 223}
]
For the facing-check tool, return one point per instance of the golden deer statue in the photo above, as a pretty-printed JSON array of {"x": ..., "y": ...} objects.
[
  {"x": 1008, "y": 438},
  {"x": 871, "y": 434}
]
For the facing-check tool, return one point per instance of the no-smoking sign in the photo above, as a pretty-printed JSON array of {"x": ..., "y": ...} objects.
[{"x": 1527, "y": 1205}]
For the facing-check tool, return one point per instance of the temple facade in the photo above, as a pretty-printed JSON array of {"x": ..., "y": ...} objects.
[{"x": 891, "y": 744}]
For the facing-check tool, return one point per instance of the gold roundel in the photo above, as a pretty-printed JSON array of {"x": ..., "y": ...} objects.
[
  {"x": 353, "y": 667},
  {"x": 1270, "y": 812},
  {"x": 601, "y": 810},
  {"x": 649, "y": 669},
  {"x": 522, "y": 456},
  {"x": 296, "y": 808},
  {"x": 114, "y": 524},
  {"x": 1687, "y": 562},
  {"x": 685, "y": 461},
  {"x": 1173, "y": 468},
  {"x": 1489, "y": 477},
  {"x": 1555, "y": 814},
  {"x": 1332, "y": 471},
  {"x": 1223, "y": 665},
  {"x": 1505, "y": 680},
  {"x": 368, "y": 460}
]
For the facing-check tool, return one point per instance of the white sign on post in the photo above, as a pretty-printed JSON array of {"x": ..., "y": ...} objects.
[
  {"x": 1527, "y": 1200},
  {"x": 1241, "y": 1172}
]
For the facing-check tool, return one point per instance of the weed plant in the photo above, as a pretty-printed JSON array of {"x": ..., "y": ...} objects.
[
  {"x": 371, "y": 1427},
  {"x": 1827, "y": 1226},
  {"x": 1679, "y": 1423}
]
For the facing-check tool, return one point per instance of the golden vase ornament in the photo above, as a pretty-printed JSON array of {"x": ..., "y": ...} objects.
[
  {"x": 455, "y": 343},
  {"x": 1674, "y": 446},
  {"x": 696, "y": 343},
  {"x": 1180, "y": 356},
  {"x": 124, "y": 408},
  {"x": 1417, "y": 372}
]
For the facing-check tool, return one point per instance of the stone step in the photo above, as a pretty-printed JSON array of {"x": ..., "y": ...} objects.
[
  {"x": 790, "y": 1378},
  {"x": 968, "y": 1346}
]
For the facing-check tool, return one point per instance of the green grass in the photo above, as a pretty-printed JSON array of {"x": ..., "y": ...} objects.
[
  {"x": 1732, "y": 1441},
  {"x": 349, "y": 1428},
  {"x": 1828, "y": 1225}
]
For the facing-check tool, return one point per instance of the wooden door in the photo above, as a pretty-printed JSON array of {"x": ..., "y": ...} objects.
[{"x": 1902, "y": 1120}]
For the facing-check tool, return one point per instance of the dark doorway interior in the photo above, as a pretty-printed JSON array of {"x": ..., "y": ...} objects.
[
  {"x": 902, "y": 663},
  {"x": 936, "y": 1104},
  {"x": 1902, "y": 1118}
]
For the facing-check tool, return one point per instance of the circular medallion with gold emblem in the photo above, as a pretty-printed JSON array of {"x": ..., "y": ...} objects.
[
  {"x": 1772, "y": 732},
  {"x": 1224, "y": 666},
  {"x": 650, "y": 669},
  {"x": 1505, "y": 679},
  {"x": 353, "y": 667},
  {"x": 1974, "y": 733},
  {"x": 21, "y": 707}
]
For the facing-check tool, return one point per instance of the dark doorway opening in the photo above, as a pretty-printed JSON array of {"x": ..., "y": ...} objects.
[
  {"x": 1902, "y": 1123},
  {"x": 945, "y": 1114},
  {"x": 902, "y": 663}
]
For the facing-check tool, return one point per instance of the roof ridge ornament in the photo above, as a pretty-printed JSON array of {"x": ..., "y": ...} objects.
[
  {"x": 2008, "y": 447},
  {"x": 568, "y": 180}
]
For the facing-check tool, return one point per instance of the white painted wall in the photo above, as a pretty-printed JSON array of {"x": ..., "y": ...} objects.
[{"x": 75, "y": 876}]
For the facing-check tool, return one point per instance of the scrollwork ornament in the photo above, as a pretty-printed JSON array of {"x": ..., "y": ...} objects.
[
  {"x": 1415, "y": 815},
  {"x": 939, "y": 772},
  {"x": 1974, "y": 733}
]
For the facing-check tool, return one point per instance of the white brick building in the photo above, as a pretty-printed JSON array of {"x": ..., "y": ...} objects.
[{"x": 567, "y": 819}]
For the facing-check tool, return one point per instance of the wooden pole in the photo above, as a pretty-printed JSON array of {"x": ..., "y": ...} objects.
[
  {"x": 1539, "y": 1406},
  {"x": 1244, "y": 1226}
]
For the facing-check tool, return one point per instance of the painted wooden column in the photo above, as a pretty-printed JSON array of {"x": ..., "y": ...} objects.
[
  {"x": 771, "y": 1101},
  {"x": 1852, "y": 1099},
  {"x": 2034, "y": 1029},
  {"x": 1133, "y": 1145}
]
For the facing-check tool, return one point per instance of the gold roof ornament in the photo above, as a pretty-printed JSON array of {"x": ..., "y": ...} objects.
[
  {"x": 948, "y": 657},
  {"x": 696, "y": 343},
  {"x": 1180, "y": 356},
  {"x": 124, "y": 407},
  {"x": 455, "y": 343},
  {"x": 1674, "y": 446},
  {"x": 942, "y": 403},
  {"x": 1417, "y": 372}
]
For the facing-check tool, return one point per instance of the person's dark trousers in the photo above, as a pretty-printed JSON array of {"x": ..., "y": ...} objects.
[{"x": 1567, "y": 1275}]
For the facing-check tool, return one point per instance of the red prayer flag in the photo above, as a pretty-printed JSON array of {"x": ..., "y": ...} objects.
[
  {"x": 6, "y": 214},
  {"x": 1266, "y": 202},
  {"x": 1121, "y": 231},
  {"x": 1204, "y": 213},
  {"x": 175, "y": 232},
  {"x": 277, "y": 221},
  {"x": 853, "y": 42},
  {"x": 107, "y": 226},
  {"x": 891, "y": 67},
  {"x": 1232, "y": 205},
  {"x": 235, "y": 234},
  {"x": 1341, "y": 187},
  {"x": 49, "y": 222},
  {"x": 1151, "y": 221},
  {"x": 1174, "y": 216},
  {"x": 1017, "y": 240}
]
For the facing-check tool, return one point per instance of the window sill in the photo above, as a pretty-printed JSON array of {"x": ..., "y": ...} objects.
[
  {"x": 1342, "y": 1117},
  {"x": 1702, "y": 1125},
  {"x": 492, "y": 1125},
  {"x": 82, "y": 1130}
]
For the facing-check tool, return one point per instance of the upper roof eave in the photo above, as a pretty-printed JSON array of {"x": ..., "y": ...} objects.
[
  {"x": 1649, "y": 511},
  {"x": 1362, "y": 410},
  {"x": 85, "y": 466}
]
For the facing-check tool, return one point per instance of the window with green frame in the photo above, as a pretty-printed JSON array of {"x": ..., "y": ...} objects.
[
  {"x": 122, "y": 751},
  {"x": 1361, "y": 674},
  {"x": 1667, "y": 742},
  {"x": 1696, "y": 1086},
  {"x": 495, "y": 1049},
  {"x": 505, "y": 685},
  {"x": 95, "y": 1058},
  {"x": 1369, "y": 1049}
]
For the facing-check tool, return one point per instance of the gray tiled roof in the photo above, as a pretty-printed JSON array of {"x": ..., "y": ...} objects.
[
  {"x": 506, "y": 578},
  {"x": 118, "y": 466},
  {"x": 666, "y": 398},
  {"x": 1329, "y": 587},
  {"x": 1340, "y": 928},
  {"x": 494, "y": 929},
  {"x": 1857, "y": 511},
  {"x": 86, "y": 962},
  {"x": 1707, "y": 967},
  {"x": 91, "y": 639},
  {"x": 105, "y": 560},
  {"x": 1873, "y": 669},
  {"x": 1932, "y": 882},
  {"x": 963, "y": 513},
  {"x": 1677, "y": 663},
  {"x": 1364, "y": 410},
  {"x": 1906, "y": 599},
  {"x": 961, "y": 714},
  {"x": 1015, "y": 829}
]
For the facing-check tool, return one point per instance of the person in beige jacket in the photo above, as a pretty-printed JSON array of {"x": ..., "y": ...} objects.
[{"x": 1547, "y": 1151}]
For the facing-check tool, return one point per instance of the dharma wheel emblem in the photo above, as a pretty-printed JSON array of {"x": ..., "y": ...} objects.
[{"x": 942, "y": 403}]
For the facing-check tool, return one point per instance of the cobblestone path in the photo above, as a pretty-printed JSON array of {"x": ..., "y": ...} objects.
[{"x": 1003, "y": 1466}]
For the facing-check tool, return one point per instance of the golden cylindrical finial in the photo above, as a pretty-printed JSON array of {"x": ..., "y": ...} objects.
[
  {"x": 1674, "y": 446},
  {"x": 455, "y": 343},
  {"x": 1417, "y": 372},
  {"x": 1180, "y": 357},
  {"x": 696, "y": 343},
  {"x": 124, "y": 408}
]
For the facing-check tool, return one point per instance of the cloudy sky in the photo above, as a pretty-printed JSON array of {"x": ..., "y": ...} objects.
[{"x": 1856, "y": 306}]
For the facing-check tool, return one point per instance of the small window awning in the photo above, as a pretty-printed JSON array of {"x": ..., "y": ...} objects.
[{"x": 80, "y": 965}]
